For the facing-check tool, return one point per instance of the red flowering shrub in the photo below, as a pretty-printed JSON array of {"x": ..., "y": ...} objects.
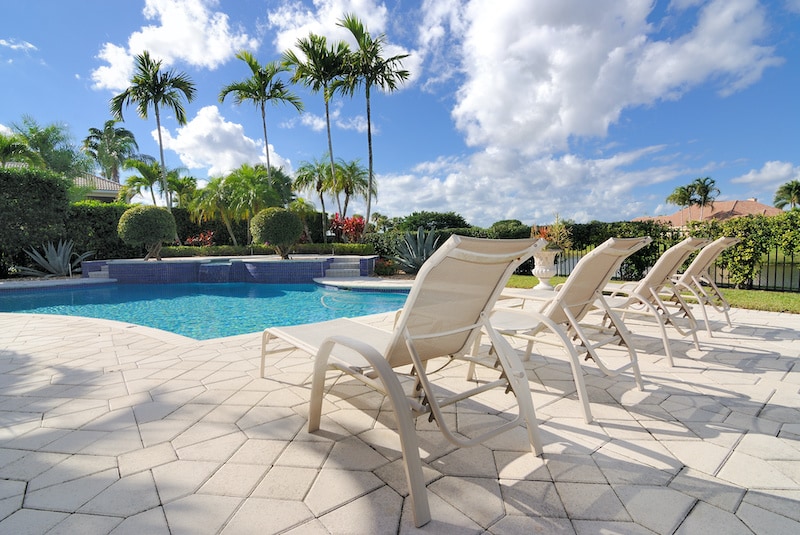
[
  {"x": 204, "y": 239},
  {"x": 350, "y": 228}
]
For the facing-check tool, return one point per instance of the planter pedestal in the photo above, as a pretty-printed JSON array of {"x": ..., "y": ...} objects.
[{"x": 544, "y": 268}]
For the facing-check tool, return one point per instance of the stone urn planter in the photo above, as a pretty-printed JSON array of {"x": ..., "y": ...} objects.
[{"x": 544, "y": 267}]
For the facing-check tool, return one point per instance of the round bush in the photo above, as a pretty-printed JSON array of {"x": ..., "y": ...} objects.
[
  {"x": 147, "y": 225},
  {"x": 277, "y": 227}
]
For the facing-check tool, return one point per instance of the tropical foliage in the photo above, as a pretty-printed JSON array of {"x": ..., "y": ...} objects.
[
  {"x": 110, "y": 147},
  {"x": 788, "y": 195},
  {"x": 147, "y": 225},
  {"x": 54, "y": 147},
  {"x": 262, "y": 87},
  {"x": 277, "y": 227},
  {"x": 318, "y": 67},
  {"x": 153, "y": 87},
  {"x": 55, "y": 260},
  {"x": 367, "y": 67},
  {"x": 414, "y": 249},
  {"x": 15, "y": 148}
]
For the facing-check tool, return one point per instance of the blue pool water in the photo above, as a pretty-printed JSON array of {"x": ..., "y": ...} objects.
[{"x": 203, "y": 311}]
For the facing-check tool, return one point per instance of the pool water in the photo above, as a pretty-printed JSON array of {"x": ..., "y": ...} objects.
[{"x": 204, "y": 311}]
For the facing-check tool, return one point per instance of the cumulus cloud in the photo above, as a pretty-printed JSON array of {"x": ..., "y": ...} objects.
[
  {"x": 771, "y": 175},
  {"x": 187, "y": 30},
  {"x": 210, "y": 142},
  {"x": 537, "y": 75}
]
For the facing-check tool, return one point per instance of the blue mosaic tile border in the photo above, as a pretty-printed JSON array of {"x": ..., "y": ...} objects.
[{"x": 234, "y": 270}]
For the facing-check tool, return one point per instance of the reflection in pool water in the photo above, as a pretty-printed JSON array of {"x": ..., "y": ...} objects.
[{"x": 203, "y": 311}]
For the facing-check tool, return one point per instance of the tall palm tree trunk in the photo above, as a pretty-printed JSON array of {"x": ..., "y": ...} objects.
[
  {"x": 369, "y": 151},
  {"x": 163, "y": 163},
  {"x": 330, "y": 152},
  {"x": 266, "y": 141}
]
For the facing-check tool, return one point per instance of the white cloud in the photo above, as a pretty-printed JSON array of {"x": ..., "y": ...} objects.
[
  {"x": 210, "y": 142},
  {"x": 793, "y": 6},
  {"x": 188, "y": 31},
  {"x": 539, "y": 74},
  {"x": 117, "y": 74},
  {"x": 6, "y": 131},
  {"x": 13, "y": 44},
  {"x": 771, "y": 175}
]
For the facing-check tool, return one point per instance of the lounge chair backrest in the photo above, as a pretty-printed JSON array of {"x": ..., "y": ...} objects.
[
  {"x": 667, "y": 265},
  {"x": 706, "y": 257},
  {"x": 459, "y": 282},
  {"x": 591, "y": 274}
]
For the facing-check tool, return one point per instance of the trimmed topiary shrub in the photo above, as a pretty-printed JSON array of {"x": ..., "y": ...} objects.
[
  {"x": 147, "y": 225},
  {"x": 277, "y": 227}
]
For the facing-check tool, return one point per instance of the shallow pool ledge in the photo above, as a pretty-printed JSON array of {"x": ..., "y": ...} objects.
[{"x": 261, "y": 269}]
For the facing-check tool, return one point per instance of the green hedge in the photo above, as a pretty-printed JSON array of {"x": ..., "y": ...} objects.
[{"x": 33, "y": 206}]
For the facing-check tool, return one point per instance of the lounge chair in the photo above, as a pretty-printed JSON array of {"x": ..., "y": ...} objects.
[
  {"x": 563, "y": 315},
  {"x": 446, "y": 309},
  {"x": 697, "y": 280},
  {"x": 655, "y": 295}
]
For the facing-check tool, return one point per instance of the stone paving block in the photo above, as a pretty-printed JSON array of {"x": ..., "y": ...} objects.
[
  {"x": 152, "y": 522},
  {"x": 216, "y": 449},
  {"x": 532, "y": 499},
  {"x": 353, "y": 454},
  {"x": 657, "y": 508},
  {"x": 263, "y": 515},
  {"x": 126, "y": 496},
  {"x": 30, "y": 522},
  {"x": 514, "y": 525},
  {"x": 199, "y": 513},
  {"x": 146, "y": 458},
  {"x": 763, "y": 521},
  {"x": 751, "y": 472},
  {"x": 334, "y": 488},
  {"x": 478, "y": 498},
  {"x": 471, "y": 462},
  {"x": 181, "y": 478},
  {"x": 79, "y": 523},
  {"x": 706, "y": 517},
  {"x": 709, "y": 489},
  {"x": 234, "y": 480},
  {"x": 285, "y": 483},
  {"x": 522, "y": 465},
  {"x": 71, "y": 495},
  {"x": 593, "y": 527},
  {"x": 394, "y": 475},
  {"x": 590, "y": 501},
  {"x": 305, "y": 454}
]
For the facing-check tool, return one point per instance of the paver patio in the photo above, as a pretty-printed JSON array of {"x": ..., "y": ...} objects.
[{"x": 111, "y": 428}]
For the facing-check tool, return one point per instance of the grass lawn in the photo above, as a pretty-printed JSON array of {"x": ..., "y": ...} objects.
[{"x": 752, "y": 299}]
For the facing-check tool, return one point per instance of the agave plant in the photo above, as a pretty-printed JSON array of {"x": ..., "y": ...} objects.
[
  {"x": 57, "y": 260},
  {"x": 414, "y": 249}
]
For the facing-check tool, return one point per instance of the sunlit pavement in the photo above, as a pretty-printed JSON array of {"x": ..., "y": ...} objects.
[{"x": 111, "y": 428}]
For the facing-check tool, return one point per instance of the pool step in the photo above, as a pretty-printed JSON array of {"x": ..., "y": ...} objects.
[
  {"x": 342, "y": 268},
  {"x": 102, "y": 274}
]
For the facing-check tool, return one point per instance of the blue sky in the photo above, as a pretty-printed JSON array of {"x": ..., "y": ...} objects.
[{"x": 515, "y": 109}]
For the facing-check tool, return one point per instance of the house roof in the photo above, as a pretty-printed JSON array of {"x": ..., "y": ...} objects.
[{"x": 720, "y": 210}]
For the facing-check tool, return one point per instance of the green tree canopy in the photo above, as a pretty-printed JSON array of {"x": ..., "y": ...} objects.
[
  {"x": 263, "y": 86},
  {"x": 432, "y": 221},
  {"x": 147, "y": 225},
  {"x": 153, "y": 87},
  {"x": 109, "y": 147},
  {"x": 278, "y": 227},
  {"x": 788, "y": 195}
]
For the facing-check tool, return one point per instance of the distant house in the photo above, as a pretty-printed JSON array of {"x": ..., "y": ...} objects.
[
  {"x": 720, "y": 210},
  {"x": 103, "y": 190}
]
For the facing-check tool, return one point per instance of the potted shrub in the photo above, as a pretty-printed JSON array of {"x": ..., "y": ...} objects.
[
  {"x": 278, "y": 227},
  {"x": 147, "y": 225}
]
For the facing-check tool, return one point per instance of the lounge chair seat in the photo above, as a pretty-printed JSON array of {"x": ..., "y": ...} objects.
[{"x": 447, "y": 308}]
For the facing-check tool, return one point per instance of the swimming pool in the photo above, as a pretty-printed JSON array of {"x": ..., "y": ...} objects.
[{"x": 203, "y": 311}]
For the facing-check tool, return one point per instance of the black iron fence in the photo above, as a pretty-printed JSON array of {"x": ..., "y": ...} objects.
[{"x": 779, "y": 272}]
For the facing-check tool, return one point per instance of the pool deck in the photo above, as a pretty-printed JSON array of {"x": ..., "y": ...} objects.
[{"x": 107, "y": 427}]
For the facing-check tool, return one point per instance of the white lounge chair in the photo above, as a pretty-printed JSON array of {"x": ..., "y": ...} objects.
[
  {"x": 655, "y": 295},
  {"x": 446, "y": 309},
  {"x": 563, "y": 315},
  {"x": 697, "y": 280}
]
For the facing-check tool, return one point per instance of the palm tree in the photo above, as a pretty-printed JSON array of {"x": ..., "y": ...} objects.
[
  {"x": 110, "y": 147},
  {"x": 53, "y": 144},
  {"x": 353, "y": 181},
  {"x": 260, "y": 88},
  {"x": 150, "y": 86},
  {"x": 14, "y": 148},
  {"x": 788, "y": 193},
  {"x": 281, "y": 183},
  {"x": 367, "y": 66},
  {"x": 704, "y": 191},
  {"x": 150, "y": 173},
  {"x": 250, "y": 192},
  {"x": 681, "y": 196},
  {"x": 214, "y": 201},
  {"x": 315, "y": 177},
  {"x": 319, "y": 70},
  {"x": 184, "y": 187},
  {"x": 304, "y": 210}
]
